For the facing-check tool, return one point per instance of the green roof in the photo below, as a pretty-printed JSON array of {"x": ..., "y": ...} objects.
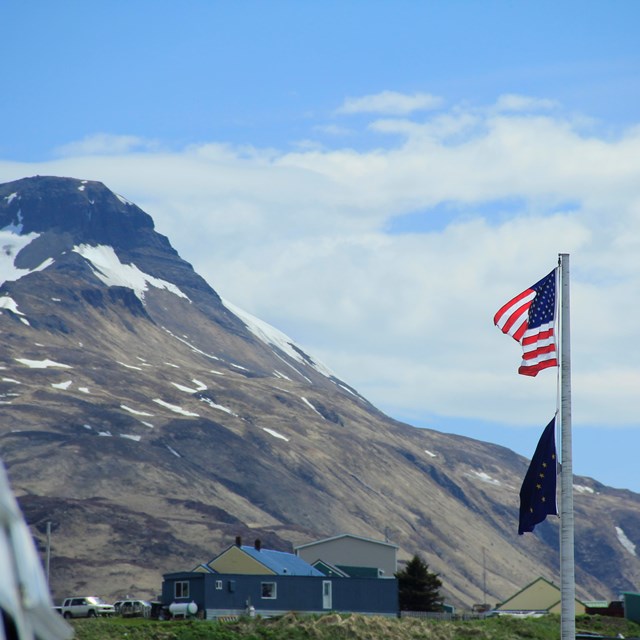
[{"x": 359, "y": 572}]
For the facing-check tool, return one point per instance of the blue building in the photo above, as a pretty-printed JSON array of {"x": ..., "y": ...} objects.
[{"x": 273, "y": 583}]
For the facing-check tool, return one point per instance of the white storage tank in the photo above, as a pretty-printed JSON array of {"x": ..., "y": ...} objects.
[{"x": 183, "y": 609}]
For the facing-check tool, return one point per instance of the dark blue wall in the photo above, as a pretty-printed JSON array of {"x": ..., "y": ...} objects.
[
  {"x": 196, "y": 587},
  {"x": 294, "y": 593}
]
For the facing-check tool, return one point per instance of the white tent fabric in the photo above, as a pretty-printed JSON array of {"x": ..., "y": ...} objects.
[{"x": 24, "y": 594}]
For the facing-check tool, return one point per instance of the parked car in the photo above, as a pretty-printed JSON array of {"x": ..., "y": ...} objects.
[
  {"x": 134, "y": 608},
  {"x": 86, "y": 607}
]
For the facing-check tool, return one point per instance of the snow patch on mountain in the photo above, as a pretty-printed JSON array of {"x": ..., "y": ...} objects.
[
  {"x": 11, "y": 243},
  {"x": 485, "y": 477},
  {"x": 10, "y": 304},
  {"x": 107, "y": 267},
  {"x": 181, "y": 387},
  {"x": 123, "y": 199},
  {"x": 220, "y": 407},
  {"x": 275, "y": 434},
  {"x": 275, "y": 338},
  {"x": 311, "y": 406},
  {"x": 129, "y": 366},
  {"x": 42, "y": 364},
  {"x": 130, "y": 437},
  {"x": 625, "y": 542},
  {"x": 175, "y": 408},
  {"x": 580, "y": 488},
  {"x": 193, "y": 347},
  {"x": 62, "y": 385},
  {"x": 135, "y": 412}
]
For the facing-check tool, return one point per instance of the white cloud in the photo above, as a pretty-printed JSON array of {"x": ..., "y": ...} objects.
[
  {"x": 391, "y": 103},
  {"x": 514, "y": 102},
  {"x": 104, "y": 143},
  {"x": 301, "y": 240},
  {"x": 333, "y": 130}
]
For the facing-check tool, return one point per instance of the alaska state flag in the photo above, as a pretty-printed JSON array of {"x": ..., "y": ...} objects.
[{"x": 538, "y": 492}]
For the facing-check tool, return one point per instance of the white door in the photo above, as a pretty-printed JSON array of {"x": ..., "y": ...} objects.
[{"x": 326, "y": 594}]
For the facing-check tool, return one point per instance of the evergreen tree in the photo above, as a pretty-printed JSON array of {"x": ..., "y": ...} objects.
[{"x": 419, "y": 589}]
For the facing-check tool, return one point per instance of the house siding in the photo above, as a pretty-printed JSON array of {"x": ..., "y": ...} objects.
[
  {"x": 294, "y": 593},
  {"x": 352, "y": 551},
  {"x": 540, "y": 595},
  {"x": 196, "y": 582},
  {"x": 236, "y": 560}
]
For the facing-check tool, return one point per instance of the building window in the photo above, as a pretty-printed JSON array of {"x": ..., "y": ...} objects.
[
  {"x": 218, "y": 584},
  {"x": 181, "y": 589},
  {"x": 268, "y": 590}
]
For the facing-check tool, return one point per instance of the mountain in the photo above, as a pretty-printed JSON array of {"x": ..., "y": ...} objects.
[{"x": 151, "y": 422}]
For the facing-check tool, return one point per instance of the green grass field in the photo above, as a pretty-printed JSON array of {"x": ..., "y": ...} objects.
[{"x": 348, "y": 627}]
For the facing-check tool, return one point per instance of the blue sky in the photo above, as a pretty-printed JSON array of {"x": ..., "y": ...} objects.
[{"x": 374, "y": 179}]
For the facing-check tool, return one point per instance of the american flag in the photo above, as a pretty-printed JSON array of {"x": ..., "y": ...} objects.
[{"x": 530, "y": 319}]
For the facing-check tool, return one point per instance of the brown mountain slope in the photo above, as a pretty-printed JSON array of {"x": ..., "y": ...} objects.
[{"x": 151, "y": 425}]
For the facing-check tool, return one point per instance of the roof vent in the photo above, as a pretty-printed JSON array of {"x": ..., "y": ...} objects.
[
  {"x": 257, "y": 544},
  {"x": 238, "y": 541}
]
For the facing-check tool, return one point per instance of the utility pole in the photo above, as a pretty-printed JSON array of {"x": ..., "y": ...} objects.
[{"x": 484, "y": 579}]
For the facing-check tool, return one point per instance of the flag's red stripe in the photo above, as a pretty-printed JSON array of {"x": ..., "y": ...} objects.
[
  {"x": 511, "y": 302},
  {"x": 542, "y": 335},
  {"x": 530, "y": 355},
  {"x": 517, "y": 316},
  {"x": 521, "y": 331},
  {"x": 534, "y": 369}
]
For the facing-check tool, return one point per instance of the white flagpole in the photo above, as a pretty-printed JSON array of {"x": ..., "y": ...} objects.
[{"x": 567, "y": 566}]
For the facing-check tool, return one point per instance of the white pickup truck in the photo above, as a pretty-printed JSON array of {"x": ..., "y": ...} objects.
[{"x": 86, "y": 607}]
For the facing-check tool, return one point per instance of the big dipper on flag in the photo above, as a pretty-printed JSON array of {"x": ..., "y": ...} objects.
[{"x": 530, "y": 319}]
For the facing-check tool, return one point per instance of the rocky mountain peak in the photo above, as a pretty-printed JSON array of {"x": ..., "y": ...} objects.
[{"x": 84, "y": 209}]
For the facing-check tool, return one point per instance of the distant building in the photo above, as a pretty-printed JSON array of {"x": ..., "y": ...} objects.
[
  {"x": 631, "y": 606},
  {"x": 242, "y": 559},
  {"x": 540, "y": 595},
  {"x": 353, "y": 555},
  {"x": 614, "y": 608},
  {"x": 244, "y": 579}
]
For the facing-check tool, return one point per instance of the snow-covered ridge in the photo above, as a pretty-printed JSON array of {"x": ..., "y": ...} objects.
[
  {"x": 123, "y": 199},
  {"x": 275, "y": 338},
  {"x": 108, "y": 268},
  {"x": 11, "y": 243}
]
